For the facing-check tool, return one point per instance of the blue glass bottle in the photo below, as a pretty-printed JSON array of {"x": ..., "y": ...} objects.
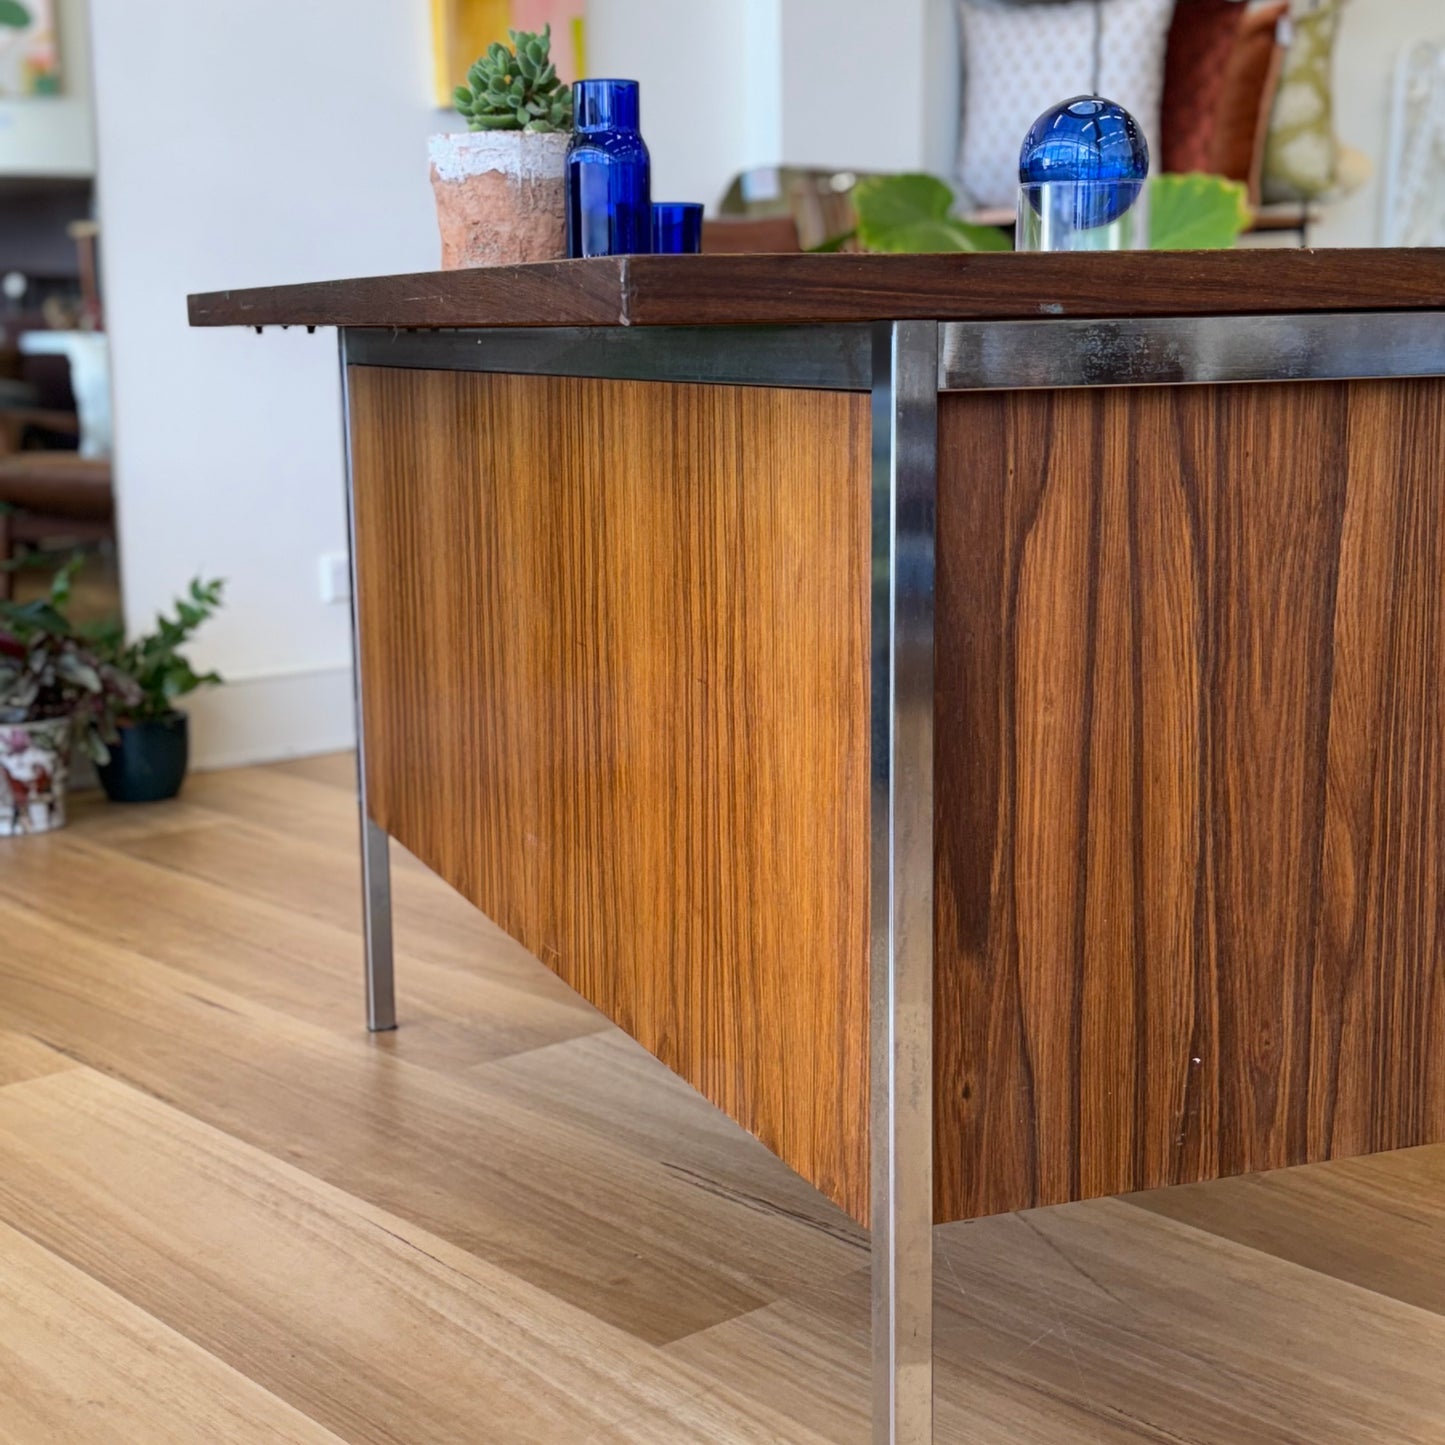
[{"x": 609, "y": 173}]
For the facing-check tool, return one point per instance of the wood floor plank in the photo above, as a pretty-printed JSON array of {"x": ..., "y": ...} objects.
[
  {"x": 427, "y": 1237},
  {"x": 22, "y": 1057},
  {"x": 610, "y": 1084},
  {"x": 293, "y": 872},
  {"x": 1377, "y": 1221},
  {"x": 1091, "y": 1323},
  {"x": 104, "y": 822},
  {"x": 291, "y": 804},
  {"x": 503, "y": 1003},
  {"x": 371, "y": 1326},
  {"x": 612, "y": 1232},
  {"x": 337, "y": 770},
  {"x": 79, "y": 1365}
]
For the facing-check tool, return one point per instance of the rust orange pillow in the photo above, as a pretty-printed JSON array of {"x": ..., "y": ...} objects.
[
  {"x": 1248, "y": 97},
  {"x": 1202, "y": 39}
]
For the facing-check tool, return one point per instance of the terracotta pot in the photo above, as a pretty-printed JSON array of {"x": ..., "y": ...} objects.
[
  {"x": 501, "y": 196},
  {"x": 34, "y": 771}
]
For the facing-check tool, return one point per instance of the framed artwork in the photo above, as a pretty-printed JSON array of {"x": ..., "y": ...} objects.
[
  {"x": 462, "y": 30},
  {"x": 29, "y": 50}
]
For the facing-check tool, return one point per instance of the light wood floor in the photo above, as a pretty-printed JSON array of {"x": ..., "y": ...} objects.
[{"x": 226, "y": 1214}]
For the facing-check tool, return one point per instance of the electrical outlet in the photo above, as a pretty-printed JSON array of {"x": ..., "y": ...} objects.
[{"x": 335, "y": 568}]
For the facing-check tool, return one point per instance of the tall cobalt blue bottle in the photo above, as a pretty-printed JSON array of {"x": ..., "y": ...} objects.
[{"x": 609, "y": 173}]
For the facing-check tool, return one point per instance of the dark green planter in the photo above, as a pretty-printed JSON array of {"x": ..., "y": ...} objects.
[{"x": 148, "y": 762}]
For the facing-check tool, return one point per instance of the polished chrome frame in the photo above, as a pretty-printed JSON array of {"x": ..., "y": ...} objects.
[
  {"x": 1190, "y": 351},
  {"x": 375, "y": 844},
  {"x": 905, "y": 471},
  {"x": 973, "y": 355},
  {"x": 819, "y": 358}
]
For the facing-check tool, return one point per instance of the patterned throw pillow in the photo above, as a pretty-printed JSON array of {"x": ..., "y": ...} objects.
[
  {"x": 1196, "y": 64},
  {"x": 1020, "y": 60},
  {"x": 1248, "y": 98},
  {"x": 1301, "y": 156}
]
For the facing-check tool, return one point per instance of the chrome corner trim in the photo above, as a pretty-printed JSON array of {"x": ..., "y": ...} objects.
[
  {"x": 375, "y": 850},
  {"x": 905, "y": 457},
  {"x": 376, "y": 926},
  {"x": 819, "y": 358},
  {"x": 1183, "y": 350}
]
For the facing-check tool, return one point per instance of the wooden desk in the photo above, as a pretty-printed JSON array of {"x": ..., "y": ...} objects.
[{"x": 949, "y": 709}]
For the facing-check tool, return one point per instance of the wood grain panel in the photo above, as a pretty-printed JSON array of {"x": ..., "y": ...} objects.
[
  {"x": 614, "y": 643},
  {"x": 782, "y": 289},
  {"x": 1191, "y": 806}
]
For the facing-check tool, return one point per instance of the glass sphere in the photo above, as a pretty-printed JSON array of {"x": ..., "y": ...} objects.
[{"x": 1092, "y": 141}]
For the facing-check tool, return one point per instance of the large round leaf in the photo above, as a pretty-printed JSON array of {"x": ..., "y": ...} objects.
[
  {"x": 913, "y": 214},
  {"x": 13, "y": 13},
  {"x": 1196, "y": 212}
]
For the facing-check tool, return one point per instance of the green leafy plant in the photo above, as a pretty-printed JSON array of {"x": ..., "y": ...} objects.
[
  {"x": 1196, "y": 212},
  {"x": 913, "y": 213},
  {"x": 516, "y": 88},
  {"x": 154, "y": 661},
  {"x": 49, "y": 668},
  {"x": 14, "y": 14}
]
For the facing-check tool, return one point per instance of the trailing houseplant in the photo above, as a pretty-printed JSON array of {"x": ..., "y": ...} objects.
[
  {"x": 150, "y": 746},
  {"x": 57, "y": 691},
  {"x": 500, "y": 185}
]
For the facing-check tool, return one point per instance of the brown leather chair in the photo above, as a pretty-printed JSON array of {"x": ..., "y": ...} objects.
[{"x": 52, "y": 496}]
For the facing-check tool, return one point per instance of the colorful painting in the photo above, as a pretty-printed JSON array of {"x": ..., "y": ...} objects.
[
  {"x": 29, "y": 52},
  {"x": 462, "y": 30}
]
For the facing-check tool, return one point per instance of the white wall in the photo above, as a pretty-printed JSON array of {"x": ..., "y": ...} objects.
[
  {"x": 1373, "y": 33},
  {"x": 854, "y": 83},
  {"x": 246, "y": 142},
  {"x": 710, "y": 95},
  {"x": 51, "y": 135}
]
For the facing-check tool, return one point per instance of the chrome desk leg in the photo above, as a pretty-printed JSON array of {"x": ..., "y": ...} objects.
[
  {"x": 376, "y": 922},
  {"x": 375, "y": 857},
  {"x": 905, "y": 446}
]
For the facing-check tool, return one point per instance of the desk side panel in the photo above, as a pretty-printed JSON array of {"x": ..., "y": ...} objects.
[
  {"x": 614, "y": 642},
  {"x": 1191, "y": 784}
]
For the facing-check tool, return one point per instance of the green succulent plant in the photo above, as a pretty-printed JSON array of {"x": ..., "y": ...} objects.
[{"x": 516, "y": 88}]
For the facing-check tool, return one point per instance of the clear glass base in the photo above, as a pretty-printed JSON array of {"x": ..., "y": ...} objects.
[{"x": 1083, "y": 216}]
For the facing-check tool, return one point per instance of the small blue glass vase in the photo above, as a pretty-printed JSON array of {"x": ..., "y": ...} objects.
[
  {"x": 676, "y": 228},
  {"x": 609, "y": 173},
  {"x": 1092, "y": 145}
]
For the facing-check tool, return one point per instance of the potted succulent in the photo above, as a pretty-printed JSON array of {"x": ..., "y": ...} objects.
[
  {"x": 500, "y": 185},
  {"x": 56, "y": 692},
  {"x": 150, "y": 743}
]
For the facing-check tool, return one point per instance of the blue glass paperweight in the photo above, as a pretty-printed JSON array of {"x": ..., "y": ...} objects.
[
  {"x": 609, "y": 173},
  {"x": 1082, "y": 174},
  {"x": 676, "y": 228}
]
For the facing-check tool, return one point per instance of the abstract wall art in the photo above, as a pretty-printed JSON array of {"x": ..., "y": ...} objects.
[
  {"x": 462, "y": 30},
  {"x": 29, "y": 49}
]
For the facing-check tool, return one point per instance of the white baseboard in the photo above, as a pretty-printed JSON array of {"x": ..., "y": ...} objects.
[{"x": 267, "y": 718}]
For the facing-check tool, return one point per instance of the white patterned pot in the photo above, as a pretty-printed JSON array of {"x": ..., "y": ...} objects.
[
  {"x": 501, "y": 196},
  {"x": 34, "y": 772}
]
